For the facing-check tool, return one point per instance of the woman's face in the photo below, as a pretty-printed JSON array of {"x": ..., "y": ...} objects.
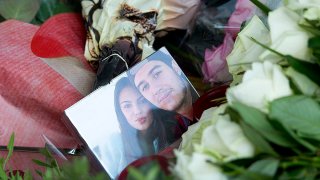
[{"x": 135, "y": 108}]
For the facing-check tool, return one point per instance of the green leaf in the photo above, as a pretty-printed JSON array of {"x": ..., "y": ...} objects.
[
  {"x": 1, "y": 162},
  {"x": 310, "y": 70},
  {"x": 54, "y": 163},
  {"x": 309, "y": 136},
  {"x": 314, "y": 42},
  {"x": 44, "y": 151},
  {"x": 135, "y": 174},
  {"x": 258, "y": 121},
  {"x": 27, "y": 175},
  {"x": 10, "y": 150},
  {"x": 259, "y": 142},
  {"x": 3, "y": 174},
  {"x": 67, "y": 7},
  {"x": 40, "y": 163},
  {"x": 20, "y": 10},
  {"x": 265, "y": 166},
  {"x": 303, "y": 142},
  {"x": 45, "y": 11},
  {"x": 310, "y": 29},
  {"x": 245, "y": 174},
  {"x": 294, "y": 87},
  {"x": 316, "y": 53},
  {"x": 302, "y": 172},
  {"x": 16, "y": 176},
  {"x": 10, "y": 145},
  {"x": 48, "y": 174},
  {"x": 82, "y": 166},
  {"x": 39, "y": 173},
  {"x": 76, "y": 169},
  {"x": 2, "y": 19},
  {"x": 153, "y": 173},
  {"x": 101, "y": 176},
  {"x": 50, "y": 8},
  {"x": 299, "y": 113}
]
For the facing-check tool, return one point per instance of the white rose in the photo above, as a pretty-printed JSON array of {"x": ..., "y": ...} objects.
[
  {"x": 180, "y": 168},
  {"x": 312, "y": 14},
  {"x": 287, "y": 37},
  {"x": 194, "y": 133},
  {"x": 225, "y": 140},
  {"x": 301, "y": 4},
  {"x": 245, "y": 50},
  {"x": 260, "y": 85},
  {"x": 196, "y": 167}
]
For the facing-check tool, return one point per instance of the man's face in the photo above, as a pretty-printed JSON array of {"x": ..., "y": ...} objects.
[{"x": 161, "y": 85}]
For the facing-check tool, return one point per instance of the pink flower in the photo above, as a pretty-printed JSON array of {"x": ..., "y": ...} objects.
[
  {"x": 244, "y": 10},
  {"x": 215, "y": 68}
]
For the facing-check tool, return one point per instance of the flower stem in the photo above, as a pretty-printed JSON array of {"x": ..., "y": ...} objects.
[
  {"x": 261, "y": 6},
  {"x": 266, "y": 47}
]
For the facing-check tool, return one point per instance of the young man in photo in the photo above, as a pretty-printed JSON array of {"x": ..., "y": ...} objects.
[{"x": 160, "y": 80}]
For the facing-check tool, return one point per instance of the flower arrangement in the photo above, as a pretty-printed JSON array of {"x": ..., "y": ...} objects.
[
  {"x": 78, "y": 168},
  {"x": 269, "y": 127}
]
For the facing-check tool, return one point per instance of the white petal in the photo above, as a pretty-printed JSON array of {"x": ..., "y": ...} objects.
[
  {"x": 281, "y": 21},
  {"x": 232, "y": 135},
  {"x": 212, "y": 141},
  {"x": 246, "y": 51},
  {"x": 201, "y": 169}
]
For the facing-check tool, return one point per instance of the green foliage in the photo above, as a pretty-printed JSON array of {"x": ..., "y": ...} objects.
[
  {"x": 238, "y": 172},
  {"x": 262, "y": 146},
  {"x": 261, "y": 6},
  {"x": 50, "y": 162},
  {"x": 259, "y": 121},
  {"x": 312, "y": 27},
  {"x": 21, "y": 10},
  {"x": 77, "y": 169},
  {"x": 2, "y": 18},
  {"x": 35, "y": 11},
  {"x": 49, "y": 8},
  {"x": 149, "y": 171},
  {"x": 314, "y": 45},
  {"x": 4, "y": 175},
  {"x": 10, "y": 150},
  {"x": 288, "y": 136},
  {"x": 301, "y": 141},
  {"x": 299, "y": 113},
  {"x": 46, "y": 10},
  {"x": 267, "y": 166},
  {"x": 310, "y": 70}
]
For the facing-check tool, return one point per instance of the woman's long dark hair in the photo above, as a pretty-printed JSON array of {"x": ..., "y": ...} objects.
[{"x": 135, "y": 143}]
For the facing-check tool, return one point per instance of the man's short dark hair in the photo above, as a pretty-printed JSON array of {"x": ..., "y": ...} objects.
[{"x": 160, "y": 55}]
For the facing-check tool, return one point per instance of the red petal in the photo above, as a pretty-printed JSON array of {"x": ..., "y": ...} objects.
[{"x": 61, "y": 35}]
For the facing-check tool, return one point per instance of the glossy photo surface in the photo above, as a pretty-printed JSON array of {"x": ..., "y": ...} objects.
[{"x": 140, "y": 113}]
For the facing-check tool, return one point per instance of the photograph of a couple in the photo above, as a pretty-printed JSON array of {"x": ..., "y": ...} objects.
[{"x": 151, "y": 108}]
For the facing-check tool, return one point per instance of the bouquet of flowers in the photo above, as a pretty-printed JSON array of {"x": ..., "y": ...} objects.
[{"x": 269, "y": 127}]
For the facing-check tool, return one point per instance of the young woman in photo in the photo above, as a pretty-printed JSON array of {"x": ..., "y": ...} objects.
[{"x": 144, "y": 127}]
